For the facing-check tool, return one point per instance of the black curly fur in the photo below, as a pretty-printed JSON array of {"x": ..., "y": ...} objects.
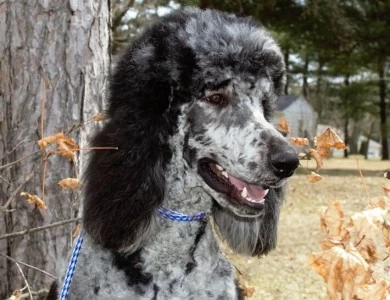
[{"x": 124, "y": 187}]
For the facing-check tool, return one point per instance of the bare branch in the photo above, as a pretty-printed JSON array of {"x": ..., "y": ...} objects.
[
  {"x": 14, "y": 148},
  {"x": 30, "y": 230},
  {"x": 4, "y": 207},
  {"x": 19, "y": 160},
  {"x": 27, "y": 265},
  {"x": 42, "y": 292},
  {"x": 24, "y": 278},
  {"x": 5, "y": 180}
]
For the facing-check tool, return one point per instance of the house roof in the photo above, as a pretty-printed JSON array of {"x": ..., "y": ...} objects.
[{"x": 285, "y": 101}]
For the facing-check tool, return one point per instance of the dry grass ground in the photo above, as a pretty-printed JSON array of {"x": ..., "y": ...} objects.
[{"x": 284, "y": 273}]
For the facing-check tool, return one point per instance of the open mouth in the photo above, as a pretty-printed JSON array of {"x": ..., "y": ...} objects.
[{"x": 238, "y": 191}]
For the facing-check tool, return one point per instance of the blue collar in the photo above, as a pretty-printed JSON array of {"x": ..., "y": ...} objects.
[{"x": 176, "y": 216}]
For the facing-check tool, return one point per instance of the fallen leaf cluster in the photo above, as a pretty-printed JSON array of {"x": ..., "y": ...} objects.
[
  {"x": 66, "y": 146},
  {"x": 353, "y": 257}
]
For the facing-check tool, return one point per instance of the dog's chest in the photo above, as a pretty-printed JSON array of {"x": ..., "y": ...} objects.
[{"x": 200, "y": 273}]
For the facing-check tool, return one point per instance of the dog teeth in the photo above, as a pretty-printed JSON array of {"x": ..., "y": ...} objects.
[
  {"x": 244, "y": 193},
  {"x": 261, "y": 201},
  {"x": 219, "y": 167},
  {"x": 266, "y": 192},
  {"x": 225, "y": 174}
]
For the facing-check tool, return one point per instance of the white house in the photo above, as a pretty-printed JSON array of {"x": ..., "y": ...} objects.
[
  {"x": 374, "y": 149},
  {"x": 301, "y": 116}
]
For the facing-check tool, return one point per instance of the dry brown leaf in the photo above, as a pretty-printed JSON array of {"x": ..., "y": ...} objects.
[
  {"x": 386, "y": 234},
  {"x": 299, "y": 141},
  {"x": 314, "y": 177},
  {"x": 329, "y": 139},
  {"x": 324, "y": 152},
  {"x": 332, "y": 220},
  {"x": 66, "y": 146},
  {"x": 69, "y": 183},
  {"x": 352, "y": 263},
  {"x": 366, "y": 225},
  {"x": 318, "y": 158},
  {"x": 247, "y": 291},
  {"x": 99, "y": 117},
  {"x": 343, "y": 270},
  {"x": 377, "y": 291},
  {"x": 34, "y": 199},
  {"x": 16, "y": 295},
  {"x": 49, "y": 140},
  {"x": 283, "y": 125},
  {"x": 368, "y": 222},
  {"x": 76, "y": 232},
  {"x": 368, "y": 249}
]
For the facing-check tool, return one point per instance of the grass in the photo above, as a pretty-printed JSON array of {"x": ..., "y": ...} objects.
[{"x": 284, "y": 273}]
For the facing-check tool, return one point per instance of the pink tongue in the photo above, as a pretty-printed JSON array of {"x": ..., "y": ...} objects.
[{"x": 254, "y": 192}]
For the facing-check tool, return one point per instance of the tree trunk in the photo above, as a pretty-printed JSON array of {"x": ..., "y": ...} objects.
[
  {"x": 346, "y": 137},
  {"x": 383, "y": 112},
  {"x": 203, "y": 4},
  {"x": 286, "y": 54},
  {"x": 54, "y": 63},
  {"x": 346, "y": 124},
  {"x": 305, "y": 84}
]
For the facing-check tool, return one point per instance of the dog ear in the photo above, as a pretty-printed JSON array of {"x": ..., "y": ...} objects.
[
  {"x": 124, "y": 187},
  {"x": 251, "y": 236}
]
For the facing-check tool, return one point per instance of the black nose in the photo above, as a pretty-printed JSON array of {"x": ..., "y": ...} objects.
[{"x": 284, "y": 162}]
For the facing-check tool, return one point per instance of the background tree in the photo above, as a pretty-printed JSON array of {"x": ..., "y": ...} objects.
[
  {"x": 130, "y": 17},
  {"x": 374, "y": 38},
  {"x": 54, "y": 60}
]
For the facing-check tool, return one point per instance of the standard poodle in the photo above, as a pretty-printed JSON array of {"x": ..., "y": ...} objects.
[{"x": 190, "y": 108}]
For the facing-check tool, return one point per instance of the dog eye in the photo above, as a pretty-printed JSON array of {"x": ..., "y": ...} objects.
[{"x": 217, "y": 99}]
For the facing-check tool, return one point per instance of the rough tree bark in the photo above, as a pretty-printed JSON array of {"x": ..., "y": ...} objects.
[{"x": 56, "y": 53}]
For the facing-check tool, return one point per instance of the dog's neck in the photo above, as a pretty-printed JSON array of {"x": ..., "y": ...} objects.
[{"x": 184, "y": 192}]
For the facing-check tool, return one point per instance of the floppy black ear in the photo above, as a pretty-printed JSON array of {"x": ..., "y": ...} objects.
[{"x": 124, "y": 187}]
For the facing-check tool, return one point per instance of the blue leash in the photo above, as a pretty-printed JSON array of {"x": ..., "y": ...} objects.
[
  {"x": 163, "y": 212},
  {"x": 71, "y": 267}
]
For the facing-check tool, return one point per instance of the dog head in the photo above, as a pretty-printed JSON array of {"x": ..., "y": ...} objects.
[{"x": 222, "y": 75}]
